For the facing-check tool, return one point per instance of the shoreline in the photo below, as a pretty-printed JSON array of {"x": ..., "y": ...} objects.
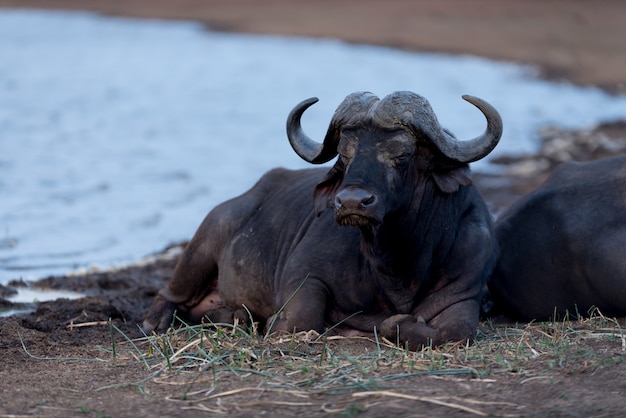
[{"x": 574, "y": 41}]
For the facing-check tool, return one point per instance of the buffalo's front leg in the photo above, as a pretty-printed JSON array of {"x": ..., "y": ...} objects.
[{"x": 456, "y": 323}]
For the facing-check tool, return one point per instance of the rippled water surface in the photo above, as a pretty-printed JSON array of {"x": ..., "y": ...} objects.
[{"x": 118, "y": 135}]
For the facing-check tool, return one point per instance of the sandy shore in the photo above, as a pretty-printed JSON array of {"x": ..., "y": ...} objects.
[{"x": 578, "y": 40}]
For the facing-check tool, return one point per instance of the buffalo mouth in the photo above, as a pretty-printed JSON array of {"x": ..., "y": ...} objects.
[{"x": 355, "y": 219}]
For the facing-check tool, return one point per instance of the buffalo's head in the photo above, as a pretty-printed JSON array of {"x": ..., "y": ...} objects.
[{"x": 387, "y": 148}]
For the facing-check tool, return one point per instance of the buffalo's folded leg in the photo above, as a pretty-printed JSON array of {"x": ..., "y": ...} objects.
[
  {"x": 193, "y": 286},
  {"x": 456, "y": 323}
]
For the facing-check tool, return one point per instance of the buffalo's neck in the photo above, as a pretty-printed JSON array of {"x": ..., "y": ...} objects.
[
  {"x": 402, "y": 252},
  {"x": 388, "y": 264}
]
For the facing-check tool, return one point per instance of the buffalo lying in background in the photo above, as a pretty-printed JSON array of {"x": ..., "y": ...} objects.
[
  {"x": 563, "y": 246},
  {"x": 392, "y": 237}
]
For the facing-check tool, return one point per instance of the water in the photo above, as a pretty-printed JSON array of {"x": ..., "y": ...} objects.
[{"x": 118, "y": 135}]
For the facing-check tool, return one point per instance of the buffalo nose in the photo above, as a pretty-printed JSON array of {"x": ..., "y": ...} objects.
[{"x": 354, "y": 198}]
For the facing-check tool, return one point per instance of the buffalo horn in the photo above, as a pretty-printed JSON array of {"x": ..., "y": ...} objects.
[
  {"x": 309, "y": 150},
  {"x": 477, "y": 148},
  {"x": 352, "y": 110}
]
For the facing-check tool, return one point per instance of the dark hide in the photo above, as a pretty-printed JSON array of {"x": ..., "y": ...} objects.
[
  {"x": 563, "y": 247},
  {"x": 392, "y": 237}
]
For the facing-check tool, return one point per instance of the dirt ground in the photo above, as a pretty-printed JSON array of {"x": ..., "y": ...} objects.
[{"x": 52, "y": 366}]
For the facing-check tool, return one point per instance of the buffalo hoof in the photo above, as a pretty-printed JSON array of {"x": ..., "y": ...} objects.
[
  {"x": 161, "y": 315},
  {"x": 391, "y": 326},
  {"x": 410, "y": 330},
  {"x": 227, "y": 317}
]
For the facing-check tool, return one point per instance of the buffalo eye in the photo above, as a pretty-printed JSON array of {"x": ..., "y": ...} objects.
[{"x": 402, "y": 158}]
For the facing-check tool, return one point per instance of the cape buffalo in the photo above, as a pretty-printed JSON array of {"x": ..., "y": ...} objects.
[
  {"x": 393, "y": 236},
  {"x": 563, "y": 246}
]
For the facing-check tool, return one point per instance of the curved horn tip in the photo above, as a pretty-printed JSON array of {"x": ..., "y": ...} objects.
[
  {"x": 488, "y": 110},
  {"x": 300, "y": 108},
  {"x": 473, "y": 99},
  {"x": 310, "y": 101},
  {"x": 482, "y": 105}
]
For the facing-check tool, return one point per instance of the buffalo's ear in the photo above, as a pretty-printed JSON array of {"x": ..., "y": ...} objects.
[
  {"x": 450, "y": 180},
  {"x": 324, "y": 192}
]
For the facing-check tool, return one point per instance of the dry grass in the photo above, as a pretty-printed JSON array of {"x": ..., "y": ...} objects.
[
  {"x": 220, "y": 369},
  {"x": 217, "y": 368},
  {"x": 565, "y": 368}
]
